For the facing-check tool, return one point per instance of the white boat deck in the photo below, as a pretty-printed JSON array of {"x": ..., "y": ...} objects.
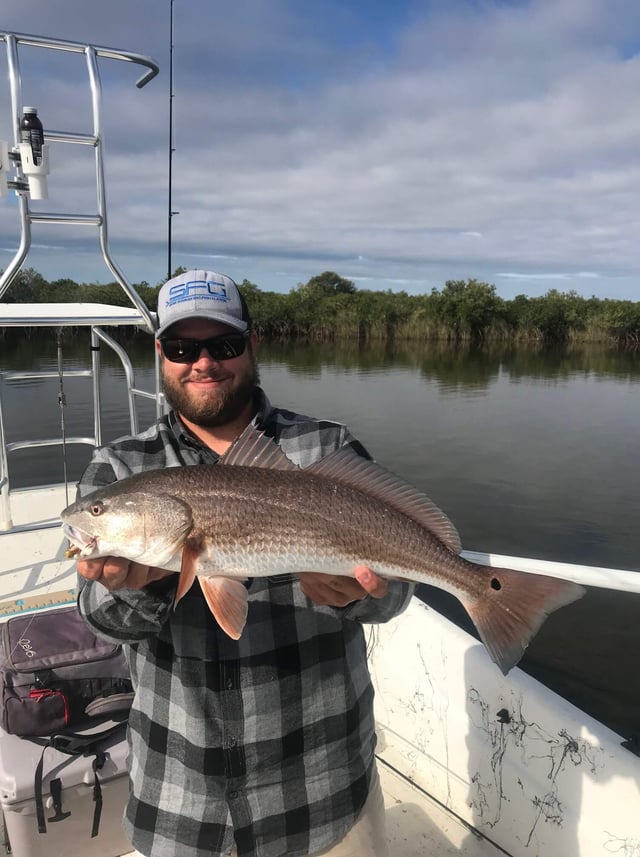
[{"x": 419, "y": 826}]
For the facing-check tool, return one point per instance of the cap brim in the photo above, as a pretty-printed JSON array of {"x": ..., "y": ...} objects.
[{"x": 238, "y": 324}]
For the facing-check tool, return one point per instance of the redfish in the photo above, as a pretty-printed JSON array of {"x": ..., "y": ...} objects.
[{"x": 255, "y": 513}]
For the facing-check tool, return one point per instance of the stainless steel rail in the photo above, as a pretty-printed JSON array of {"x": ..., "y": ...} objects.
[
  {"x": 92, "y": 53},
  {"x": 60, "y": 315},
  {"x": 97, "y": 335}
]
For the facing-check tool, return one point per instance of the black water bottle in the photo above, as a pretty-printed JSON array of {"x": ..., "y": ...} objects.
[{"x": 32, "y": 132}]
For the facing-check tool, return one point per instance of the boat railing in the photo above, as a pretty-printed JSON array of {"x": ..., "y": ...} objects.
[
  {"x": 21, "y": 184},
  {"x": 19, "y": 174},
  {"x": 134, "y": 394}
]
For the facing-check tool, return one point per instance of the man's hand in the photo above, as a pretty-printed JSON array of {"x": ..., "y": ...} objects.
[
  {"x": 114, "y": 572},
  {"x": 335, "y": 590}
]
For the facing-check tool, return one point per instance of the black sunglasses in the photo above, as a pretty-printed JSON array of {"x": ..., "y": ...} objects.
[{"x": 219, "y": 347}]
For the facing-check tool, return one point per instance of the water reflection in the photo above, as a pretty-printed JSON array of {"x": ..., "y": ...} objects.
[{"x": 461, "y": 366}]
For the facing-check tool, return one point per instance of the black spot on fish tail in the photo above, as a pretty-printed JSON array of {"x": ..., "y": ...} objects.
[{"x": 512, "y": 609}]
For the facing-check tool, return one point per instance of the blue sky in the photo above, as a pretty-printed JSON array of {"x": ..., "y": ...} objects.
[{"x": 399, "y": 143}]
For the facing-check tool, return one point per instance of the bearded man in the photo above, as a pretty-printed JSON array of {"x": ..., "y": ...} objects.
[{"x": 262, "y": 745}]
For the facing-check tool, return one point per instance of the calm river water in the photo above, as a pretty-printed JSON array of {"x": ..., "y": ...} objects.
[{"x": 531, "y": 453}]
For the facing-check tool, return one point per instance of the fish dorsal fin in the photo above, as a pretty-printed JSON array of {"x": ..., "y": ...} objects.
[
  {"x": 253, "y": 448},
  {"x": 348, "y": 468}
]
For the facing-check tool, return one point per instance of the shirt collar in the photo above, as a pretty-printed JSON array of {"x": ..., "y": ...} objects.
[
  {"x": 182, "y": 433},
  {"x": 264, "y": 409}
]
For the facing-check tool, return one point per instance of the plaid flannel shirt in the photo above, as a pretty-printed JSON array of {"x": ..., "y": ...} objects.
[{"x": 268, "y": 740}]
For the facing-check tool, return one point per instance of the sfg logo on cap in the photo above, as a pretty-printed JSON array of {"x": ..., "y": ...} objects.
[{"x": 197, "y": 289}]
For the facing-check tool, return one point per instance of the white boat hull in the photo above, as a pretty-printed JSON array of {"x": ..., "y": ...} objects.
[{"x": 518, "y": 763}]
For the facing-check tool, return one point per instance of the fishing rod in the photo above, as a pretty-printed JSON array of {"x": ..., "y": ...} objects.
[{"x": 171, "y": 212}]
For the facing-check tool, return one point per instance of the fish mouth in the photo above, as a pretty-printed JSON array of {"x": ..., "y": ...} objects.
[{"x": 82, "y": 544}]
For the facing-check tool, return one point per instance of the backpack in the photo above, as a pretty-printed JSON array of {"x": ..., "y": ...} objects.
[
  {"x": 58, "y": 683},
  {"x": 55, "y": 673}
]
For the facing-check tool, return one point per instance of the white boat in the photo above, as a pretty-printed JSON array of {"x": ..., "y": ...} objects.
[{"x": 473, "y": 763}]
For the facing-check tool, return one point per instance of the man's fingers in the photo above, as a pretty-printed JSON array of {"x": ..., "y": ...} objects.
[
  {"x": 324, "y": 590},
  {"x": 137, "y": 576},
  {"x": 115, "y": 572},
  {"x": 141, "y": 575},
  {"x": 118, "y": 573},
  {"x": 332, "y": 590},
  {"x": 111, "y": 571},
  {"x": 158, "y": 574},
  {"x": 90, "y": 568},
  {"x": 373, "y": 585}
]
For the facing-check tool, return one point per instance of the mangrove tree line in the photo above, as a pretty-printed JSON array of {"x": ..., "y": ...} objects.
[{"x": 329, "y": 306}]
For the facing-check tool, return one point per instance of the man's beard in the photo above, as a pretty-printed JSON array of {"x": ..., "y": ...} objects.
[{"x": 218, "y": 410}]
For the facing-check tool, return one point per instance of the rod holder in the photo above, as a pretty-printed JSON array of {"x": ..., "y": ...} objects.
[{"x": 36, "y": 174}]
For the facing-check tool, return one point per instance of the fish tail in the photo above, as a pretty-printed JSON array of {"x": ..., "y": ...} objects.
[{"x": 514, "y": 607}]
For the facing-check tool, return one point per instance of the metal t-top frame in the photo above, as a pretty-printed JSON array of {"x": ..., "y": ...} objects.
[
  {"x": 27, "y": 217},
  {"x": 59, "y": 315}
]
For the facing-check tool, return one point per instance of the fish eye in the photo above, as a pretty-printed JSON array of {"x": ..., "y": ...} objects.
[{"x": 96, "y": 508}]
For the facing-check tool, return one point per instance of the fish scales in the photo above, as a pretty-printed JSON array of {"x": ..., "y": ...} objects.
[{"x": 265, "y": 514}]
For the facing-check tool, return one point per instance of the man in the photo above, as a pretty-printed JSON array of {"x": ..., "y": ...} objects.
[{"x": 265, "y": 744}]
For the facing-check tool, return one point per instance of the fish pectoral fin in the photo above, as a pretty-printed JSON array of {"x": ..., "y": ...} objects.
[
  {"x": 190, "y": 553},
  {"x": 227, "y": 600}
]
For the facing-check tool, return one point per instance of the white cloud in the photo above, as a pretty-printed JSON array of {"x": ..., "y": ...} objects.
[
  {"x": 512, "y": 275},
  {"x": 509, "y": 123}
]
